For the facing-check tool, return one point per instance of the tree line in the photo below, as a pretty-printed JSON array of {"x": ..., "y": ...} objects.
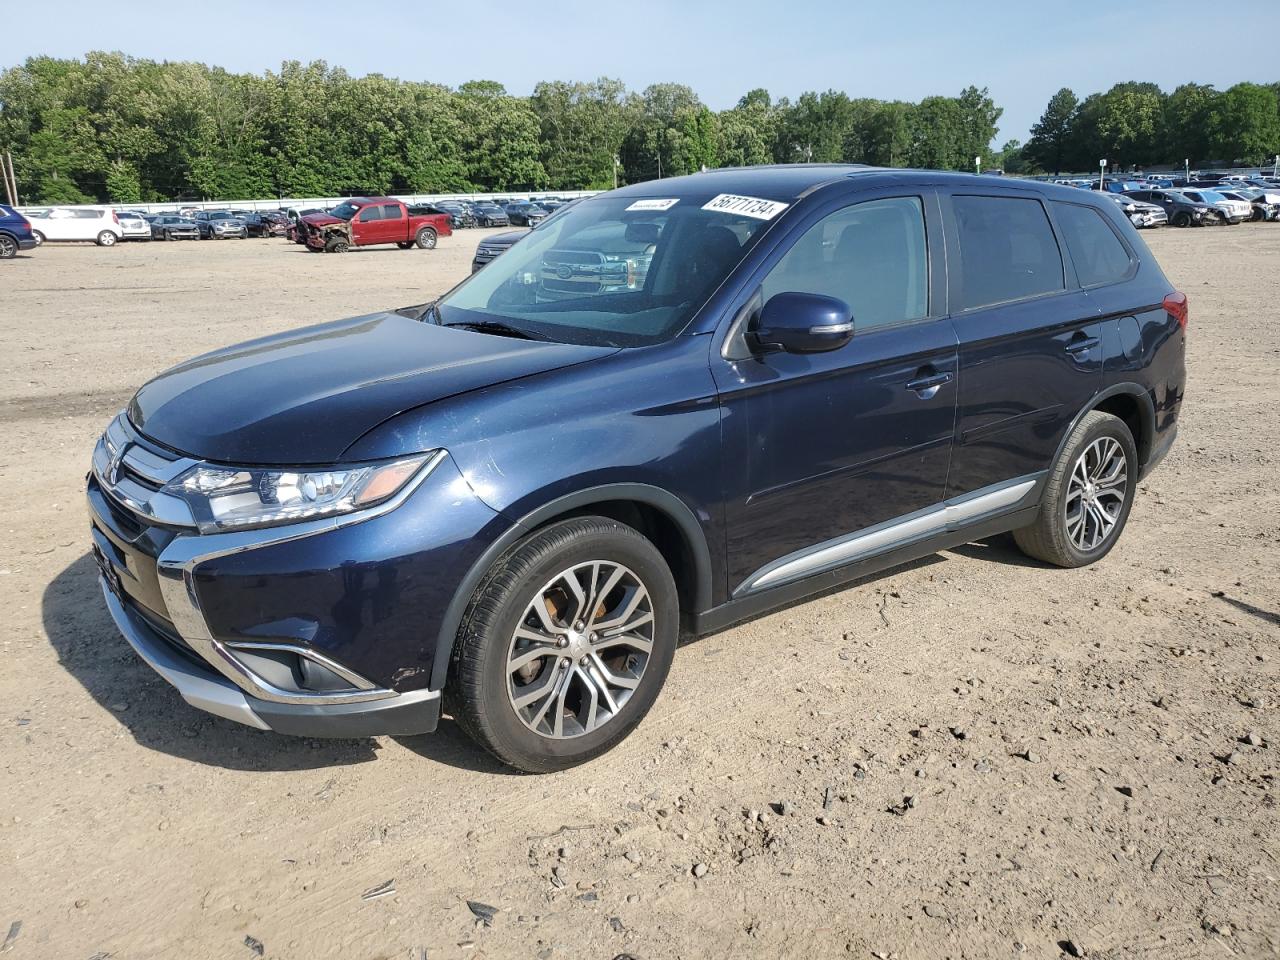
[
  {"x": 110, "y": 127},
  {"x": 1137, "y": 124}
]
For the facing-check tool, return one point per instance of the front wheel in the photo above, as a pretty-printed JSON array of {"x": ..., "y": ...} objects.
[
  {"x": 1182, "y": 219},
  {"x": 337, "y": 246},
  {"x": 107, "y": 239},
  {"x": 565, "y": 645},
  {"x": 1087, "y": 496},
  {"x": 425, "y": 239}
]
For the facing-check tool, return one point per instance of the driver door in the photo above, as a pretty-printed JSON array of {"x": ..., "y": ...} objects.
[{"x": 823, "y": 445}]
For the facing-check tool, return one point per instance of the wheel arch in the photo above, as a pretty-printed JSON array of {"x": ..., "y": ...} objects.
[
  {"x": 1129, "y": 402},
  {"x": 663, "y": 518}
]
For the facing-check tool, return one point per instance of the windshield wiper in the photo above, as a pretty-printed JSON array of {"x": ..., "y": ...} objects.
[{"x": 496, "y": 327}]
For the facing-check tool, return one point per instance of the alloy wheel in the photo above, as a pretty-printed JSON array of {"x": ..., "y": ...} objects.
[
  {"x": 580, "y": 649},
  {"x": 1096, "y": 494},
  {"x": 8, "y": 247}
]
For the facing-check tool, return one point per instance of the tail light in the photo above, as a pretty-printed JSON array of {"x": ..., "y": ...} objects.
[
  {"x": 1175, "y": 304},
  {"x": 115, "y": 217}
]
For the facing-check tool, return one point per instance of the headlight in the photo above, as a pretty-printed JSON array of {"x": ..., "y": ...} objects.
[{"x": 236, "y": 498}]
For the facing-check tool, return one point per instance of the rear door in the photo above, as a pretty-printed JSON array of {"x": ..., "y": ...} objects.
[
  {"x": 1030, "y": 339},
  {"x": 394, "y": 224}
]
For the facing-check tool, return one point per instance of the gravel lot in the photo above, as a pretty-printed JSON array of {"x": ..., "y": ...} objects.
[{"x": 973, "y": 756}]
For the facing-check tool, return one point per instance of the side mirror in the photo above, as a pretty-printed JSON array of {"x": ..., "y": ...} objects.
[{"x": 803, "y": 323}]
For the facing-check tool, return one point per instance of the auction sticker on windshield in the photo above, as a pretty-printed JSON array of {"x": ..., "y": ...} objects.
[
  {"x": 745, "y": 206},
  {"x": 652, "y": 205}
]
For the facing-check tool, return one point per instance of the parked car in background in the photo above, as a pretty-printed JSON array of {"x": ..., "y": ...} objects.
[
  {"x": 1140, "y": 213},
  {"x": 268, "y": 223},
  {"x": 525, "y": 214},
  {"x": 170, "y": 226},
  {"x": 491, "y": 215},
  {"x": 338, "y": 530},
  {"x": 369, "y": 221},
  {"x": 1233, "y": 211},
  {"x": 220, "y": 225},
  {"x": 15, "y": 233},
  {"x": 133, "y": 226},
  {"x": 492, "y": 247},
  {"x": 1266, "y": 206},
  {"x": 1182, "y": 211},
  {"x": 98, "y": 225}
]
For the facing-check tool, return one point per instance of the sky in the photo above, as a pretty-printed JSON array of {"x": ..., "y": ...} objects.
[{"x": 903, "y": 51}]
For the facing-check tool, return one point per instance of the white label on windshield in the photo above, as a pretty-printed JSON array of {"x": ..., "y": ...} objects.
[
  {"x": 652, "y": 204},
  {"x": 745, "y": 206}
]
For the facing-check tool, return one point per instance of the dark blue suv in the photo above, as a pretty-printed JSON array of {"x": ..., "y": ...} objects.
[
  {"x": 15, "y": 233},
  {"x": 681, "y": 404}
]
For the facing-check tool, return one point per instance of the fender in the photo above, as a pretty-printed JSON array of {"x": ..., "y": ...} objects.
[
  {"x": 1146, "y": 410},
  {"x": 668, "y": 503}
]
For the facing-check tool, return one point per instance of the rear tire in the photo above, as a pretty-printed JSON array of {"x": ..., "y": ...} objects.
[
  {"x": 8, "y": 247},
  {"x": 107, "y": 239},
  {"x": 425, "y": 239},
  {"x": 598, "y": 685},
  {"x": 1087, "y": 496},
  {"x": 39, "y": 237}
]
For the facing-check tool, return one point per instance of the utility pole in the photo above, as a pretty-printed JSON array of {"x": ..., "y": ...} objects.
[
  {"x": 615, "y": 171},
  {"x": 1102, "y": 174},
  {"x": 977, "y": 165},
  {"x": 1186, "y": 169},
  {"x": 10, "y": 180}
]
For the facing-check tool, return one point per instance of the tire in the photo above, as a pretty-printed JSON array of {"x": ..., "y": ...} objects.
[
  {"x": 425, "y": 239},
  {"x": 1182, "y": 219},
  {"x": 107, "y": 239},
  {"x": 168, "y": 235},
  {"x": 526, "y": 590},
  {"x": 337, "y": 246},
  {"x": 8, "y": 247},
  {"x": 1088, "y": 467},
  {"x": 39, "y": 237}
]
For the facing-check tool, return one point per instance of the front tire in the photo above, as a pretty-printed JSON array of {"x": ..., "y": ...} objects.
[
  {"x": 1182, "y": 219},
  {"x": 1087, "y": 497},
  {"x": 425, "y": 239},
  {"x": 565, "y": 645},
  {"x": 337, "y": 246}
]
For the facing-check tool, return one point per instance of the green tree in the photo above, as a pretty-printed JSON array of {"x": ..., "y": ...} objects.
[
  {"x": 1050, "y": 144},
  {"x": 1244, "y": 124},
  {"x": 1186, "y": 124}
]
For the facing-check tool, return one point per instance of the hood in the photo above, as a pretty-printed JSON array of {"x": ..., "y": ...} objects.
[
  {"x": 320, "y": 219},
  {"x": 305, "y": 396}
]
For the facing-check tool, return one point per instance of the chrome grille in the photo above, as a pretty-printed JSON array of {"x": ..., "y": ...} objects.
[{"x": 132, "y": 473}]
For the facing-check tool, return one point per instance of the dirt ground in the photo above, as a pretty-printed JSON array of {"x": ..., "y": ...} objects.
[{"x": 973, "y": 756}]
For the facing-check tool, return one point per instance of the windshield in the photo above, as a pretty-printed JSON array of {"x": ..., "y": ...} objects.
[
  {"x": 344, "y": 211},
  {"x": 1212, "y": 196},
  {"x": 610, "y": 271}
]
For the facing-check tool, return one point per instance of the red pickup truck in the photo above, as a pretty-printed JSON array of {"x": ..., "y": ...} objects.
[{"x": 365, "y": 221}]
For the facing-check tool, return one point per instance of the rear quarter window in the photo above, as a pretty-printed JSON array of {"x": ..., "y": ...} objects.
[
  {"x": 1096, "y": 251},
  {"x": 1007, "y": 250}
]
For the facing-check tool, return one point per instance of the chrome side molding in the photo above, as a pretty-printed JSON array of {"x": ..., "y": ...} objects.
[{"x": 949, "y": 515}]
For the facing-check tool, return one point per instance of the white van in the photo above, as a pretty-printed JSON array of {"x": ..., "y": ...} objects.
[{"x": 76, "y": 223}]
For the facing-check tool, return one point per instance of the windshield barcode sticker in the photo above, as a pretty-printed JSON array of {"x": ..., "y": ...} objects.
[
  {"x": 652, "y": 205},
  {"x": 745, "y": 206}
]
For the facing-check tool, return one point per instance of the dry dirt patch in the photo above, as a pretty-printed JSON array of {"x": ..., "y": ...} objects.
[{"x": 974, "y": 756}]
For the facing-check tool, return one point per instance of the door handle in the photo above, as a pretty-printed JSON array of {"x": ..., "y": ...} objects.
[
  {"x": 1082, "y": 345},
  {"x": 926, "y": 386}
]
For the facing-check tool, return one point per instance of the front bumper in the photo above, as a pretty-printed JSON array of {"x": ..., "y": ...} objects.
[
  {"x": 321, "y": 628},
  {"x": 406, "y": 714}
]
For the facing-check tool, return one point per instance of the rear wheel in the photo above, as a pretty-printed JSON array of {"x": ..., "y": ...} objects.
[
  {"x": 39, "y": 237},
  {"x": 8, "y": 247},
  {"x": 107, "y": 239},
  {"x": 565, "y": 645},
  {"x": 425, "y": 239},
  {"x": 1087, "y": 496}
]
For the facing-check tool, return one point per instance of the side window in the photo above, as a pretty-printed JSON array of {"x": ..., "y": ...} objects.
[
  {"x": 370, "y": 213},
  {"x": 1007, "y": 250},
  {"x": 871, "y": 255},
  {"x": 1096, "y": 251},
  {"x": 391, "y": 211}
]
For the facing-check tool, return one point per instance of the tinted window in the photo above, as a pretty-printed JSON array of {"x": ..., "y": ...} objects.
[
  {"x": 871, "y": 255},
  {"x": 1007, "y": 250},
  {"x": 390, "y": 211},
  {"x": 1096, "y": 251},
  {"x": 370, "y": 213}
]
